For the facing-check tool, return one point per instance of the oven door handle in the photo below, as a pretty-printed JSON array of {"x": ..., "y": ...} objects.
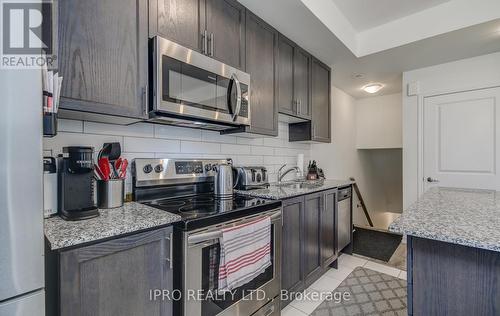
[
  {"x": 206, "y": 236},
  {"x": 236, "y": 109}
]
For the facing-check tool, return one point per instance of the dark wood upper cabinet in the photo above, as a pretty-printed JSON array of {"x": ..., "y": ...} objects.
[
  {"x": 115, "y": 277},
  {"x": 261, "y": 47},
  {"x": 312, "y": 236},
  {"x": 102, "y": 52},
  {"x": 286, "y": 100},
  {"x": 318, "y": 129},
  {"x": 225, "y": 25},
  {"x": 215, "y": 28},
  {"x": 177, "y": 20},
  {"x": 293, "y": 80},
  {"x": 291, "y": 244},
  {"x": 321, "y": 102},
  {"x": 301, "y": 83},
  {"x": 328, "y": 231}
]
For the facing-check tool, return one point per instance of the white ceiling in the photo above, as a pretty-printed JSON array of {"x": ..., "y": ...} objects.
[
  {"x": 366, "y": 14},
  {"x": 296, "y": 21}
]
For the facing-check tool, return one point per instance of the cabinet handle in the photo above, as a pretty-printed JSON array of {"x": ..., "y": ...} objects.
[
  {"x": 212, "y": 39},
  {"x": 145, "y": 99},
  {"x": 204, "y": 48},
  {"x": 170, "y": 251}
]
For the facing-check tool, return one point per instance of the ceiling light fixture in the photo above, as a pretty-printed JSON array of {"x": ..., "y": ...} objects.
[{"x": 373, "y": 87}]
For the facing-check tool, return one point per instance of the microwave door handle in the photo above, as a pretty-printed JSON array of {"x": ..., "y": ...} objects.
[{"x": 238, "y": 96}]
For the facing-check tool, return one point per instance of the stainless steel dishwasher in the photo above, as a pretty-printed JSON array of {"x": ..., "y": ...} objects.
[{"x": 344, "y": 218}]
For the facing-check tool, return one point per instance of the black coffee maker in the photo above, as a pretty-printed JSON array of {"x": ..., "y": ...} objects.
[{"x": 75, "y": 184}]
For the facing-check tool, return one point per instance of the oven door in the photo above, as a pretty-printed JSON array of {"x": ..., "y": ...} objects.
[
  {"x": 192, "y": 85},
  {"x": 201, "y": 267}
]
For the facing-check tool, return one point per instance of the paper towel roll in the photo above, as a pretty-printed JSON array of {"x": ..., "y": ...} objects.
[{"x": 300, "y": 163}]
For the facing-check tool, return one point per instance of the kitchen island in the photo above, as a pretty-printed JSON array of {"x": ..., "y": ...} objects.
[{"x": 453, "y": 252}]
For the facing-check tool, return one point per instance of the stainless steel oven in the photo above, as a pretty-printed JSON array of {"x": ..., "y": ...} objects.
[
  {"x": 201, "y": 250},
  {"x": 191, "y": 89}
]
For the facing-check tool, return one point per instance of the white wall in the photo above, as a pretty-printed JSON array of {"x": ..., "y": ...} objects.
[
  {"x": 467, "y": 74},
  {"x": 145, "y": 140},
  {"x": 379, "y": 122},
  {"x": 377, "y": 172}
]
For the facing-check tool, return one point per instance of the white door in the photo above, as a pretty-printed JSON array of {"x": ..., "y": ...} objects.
[{"x": 462, "y": 140}]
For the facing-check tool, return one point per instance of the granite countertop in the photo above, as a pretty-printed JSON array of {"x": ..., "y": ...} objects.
[
  {"x": 460, "y": 216},
  {"x": 129, "y": 218},
  {"x": 291, "y": 188}
]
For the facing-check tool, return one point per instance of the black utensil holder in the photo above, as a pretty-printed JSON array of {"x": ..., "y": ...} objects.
[{"x": 49, "y": 124}]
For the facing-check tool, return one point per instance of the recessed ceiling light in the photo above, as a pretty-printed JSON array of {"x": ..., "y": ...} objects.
[{"x": 373, "y": 87}]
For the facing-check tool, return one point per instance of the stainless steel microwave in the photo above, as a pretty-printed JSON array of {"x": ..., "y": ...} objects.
[{"x": 194, "y": 90}]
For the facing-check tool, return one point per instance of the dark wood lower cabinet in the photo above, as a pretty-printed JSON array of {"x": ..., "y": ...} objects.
[
  {"x": 115, "y": 277},
  {"x": 312, "y": 236},
  {"x": 291, "y": 244},
  {"x": 449, "y": 279},
  {"x": 309, "y": 239}
]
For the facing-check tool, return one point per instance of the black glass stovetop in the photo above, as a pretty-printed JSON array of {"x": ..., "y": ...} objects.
[{"x": 206, "y": 209}]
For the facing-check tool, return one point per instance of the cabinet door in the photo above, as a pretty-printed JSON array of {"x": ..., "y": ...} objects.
[
  {"x": 320, "y": 102},
  {"x": 225, "y": 24},
  {"x": 177, "y": 20},
  {"x": 102, "y": 48},
  {"x": 261, "y": 43},
  {"x": 312, "y": 236},
  {"x": 329, "y": 228},
  {"x": 115, "y": 277},
  {"x": 301, "y": 83},
  {"x": 291, "y": 244},
  {"x": 286, "y": 101}
]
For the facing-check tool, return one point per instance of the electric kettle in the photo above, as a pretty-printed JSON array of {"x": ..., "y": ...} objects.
[{"x": 223, "y": 181}]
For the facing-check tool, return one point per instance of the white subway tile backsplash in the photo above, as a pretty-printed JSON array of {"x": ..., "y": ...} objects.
[
  {"x": 216, "y": 137},
  {"x": 275, "y": 142},
  {"x": 261, "y": 150},
  {"x": 173, "y": 132},
  {"x": 138, "y": 129},
  {"x": 151, "y": 145},
  {"x": 64, "y": 139},
  {"x": 64, "y": 125},
  {"x": 248, "y": 160},
  {"x": 145, "y": 140},
  {"x": 199, "y": 148},
  {"x": 235, "y": 149},
  {"x": 250, "y": 141}
]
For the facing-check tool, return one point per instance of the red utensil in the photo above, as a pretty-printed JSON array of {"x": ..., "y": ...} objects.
[
  {"x": 105, "y": 168},
  {"x": 123, "y": 169}
]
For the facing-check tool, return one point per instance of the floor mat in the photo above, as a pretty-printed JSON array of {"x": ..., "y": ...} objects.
[
  {"x": 371, "y": 293},
  {"x": 375, "y": 244}
]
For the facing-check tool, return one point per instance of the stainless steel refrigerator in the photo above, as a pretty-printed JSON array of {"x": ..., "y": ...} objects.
[{"x": 21, "y": 197}]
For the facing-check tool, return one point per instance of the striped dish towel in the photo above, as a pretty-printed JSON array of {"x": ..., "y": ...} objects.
[{"x": 245, "y": 253}]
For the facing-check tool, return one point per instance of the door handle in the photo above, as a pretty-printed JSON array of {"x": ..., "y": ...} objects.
[
  {"x": 432, "y": 180},
  {"x": 238, "y": 97}
]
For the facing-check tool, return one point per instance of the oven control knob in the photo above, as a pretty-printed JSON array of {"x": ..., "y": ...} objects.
[
  {"x": 259, "y": 177},
  {"x": 147, "y": 168},
  {"x": 208, "y": 167},
  {"x": 158, "y": 168}
]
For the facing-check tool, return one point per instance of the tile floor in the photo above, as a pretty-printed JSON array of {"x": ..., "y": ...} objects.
[{"x": 332, "y": 279}]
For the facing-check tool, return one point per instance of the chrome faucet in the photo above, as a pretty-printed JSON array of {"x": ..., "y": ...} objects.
[{"x": 281, "y": 175}]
